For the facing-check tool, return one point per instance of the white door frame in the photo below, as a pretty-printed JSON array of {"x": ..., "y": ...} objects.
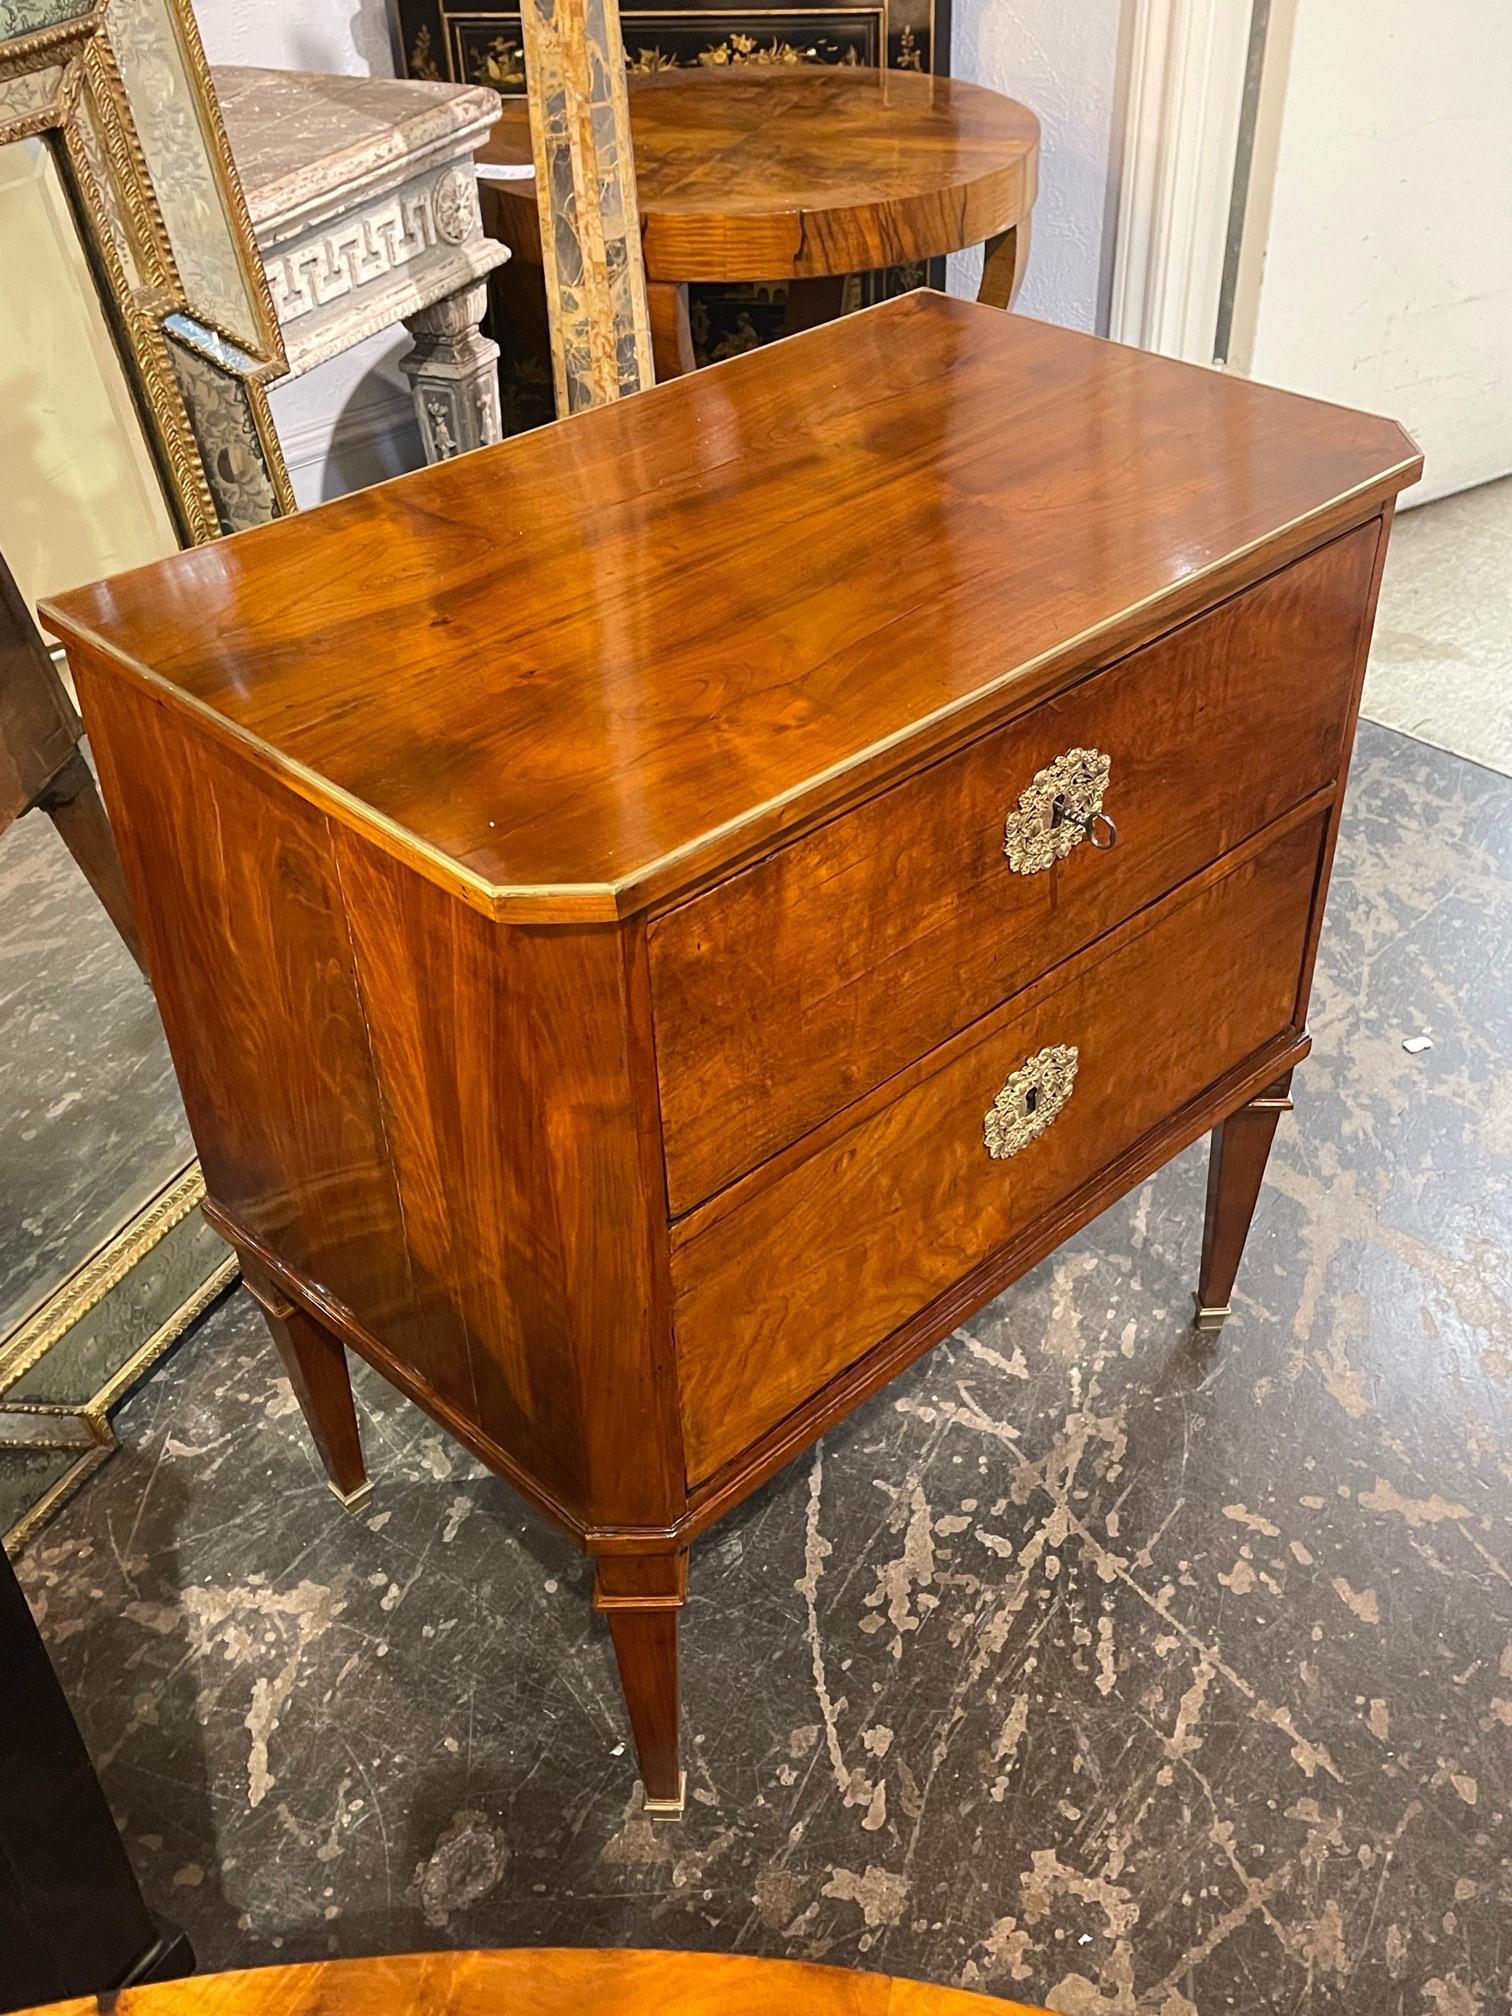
[{"x": 1188, "y": 62}]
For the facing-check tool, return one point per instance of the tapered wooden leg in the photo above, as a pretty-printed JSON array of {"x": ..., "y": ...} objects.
[
  {"x": 671, "y": 330},
  {"x": 642, "y": 1595},
  {"x": 1236, "y": 1168},
  {"x": 72, "y": 802},
  {"x": 1005, "y": 259},
  {"x": 316, "y": 1363}
]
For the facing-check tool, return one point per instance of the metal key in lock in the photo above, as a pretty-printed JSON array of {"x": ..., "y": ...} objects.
[
  {"x": 1062, "y": 814},
  {"x": 1057, "y": 810}
]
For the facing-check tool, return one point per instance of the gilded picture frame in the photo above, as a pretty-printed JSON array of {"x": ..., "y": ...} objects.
[{"x": 120, "y": 93}]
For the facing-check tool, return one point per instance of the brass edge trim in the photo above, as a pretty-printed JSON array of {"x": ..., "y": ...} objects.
[
  {"x": 311, "y": 786},
  {"x": 36, "y": 1516},
  {"x": 666, "y": 1809},
  {"x": 611, "y": 902},
  {"x": 609, "y": 1603},
  {"x": 1079, "y": 645},
  {"x": 94, "y": 1278}
]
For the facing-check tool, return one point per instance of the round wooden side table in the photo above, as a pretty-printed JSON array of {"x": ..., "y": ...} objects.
[
  {"x": 547, "y": 1981},
  {"x": 805, "y": 174}
]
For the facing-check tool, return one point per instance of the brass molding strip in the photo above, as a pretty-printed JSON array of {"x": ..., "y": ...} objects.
[
  {"x": 95, "y": 1277},
  {"x": 93, "y": 1419}
]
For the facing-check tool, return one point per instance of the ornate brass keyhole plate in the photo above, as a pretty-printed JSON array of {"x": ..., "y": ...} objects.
[
  {"x": 1030, "y": 1100},
  {"x": 1060, "y": 807}
]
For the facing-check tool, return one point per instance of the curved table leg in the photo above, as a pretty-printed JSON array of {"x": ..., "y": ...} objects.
[
  {"x": 671, "y": 332},
  {"x": 1005, "y": 257}
]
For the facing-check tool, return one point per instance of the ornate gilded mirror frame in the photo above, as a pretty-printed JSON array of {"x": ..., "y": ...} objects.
[{"x": 119, "y": 93}]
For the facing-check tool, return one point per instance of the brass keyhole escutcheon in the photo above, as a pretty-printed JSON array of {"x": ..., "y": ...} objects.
[
  {"x": 1062, "y": 806},
  {"x": 1030, "y": 1100}
]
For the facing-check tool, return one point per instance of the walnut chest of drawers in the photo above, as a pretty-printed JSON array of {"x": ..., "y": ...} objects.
[{"x": 658, "y": 920}]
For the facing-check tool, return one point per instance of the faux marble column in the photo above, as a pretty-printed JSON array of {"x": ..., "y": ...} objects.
[{"x": 590, "y": 221}]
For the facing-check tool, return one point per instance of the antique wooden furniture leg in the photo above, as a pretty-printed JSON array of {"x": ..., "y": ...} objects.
[
  {"x": 41, "y": 764},
  {"x": 72, "y": 801},
  {"x": 1005, "y": 259},
  {"x": 453, "y": 372},
  {"x": 642, "y": 1594},
  {"x": 671, "y": 332},
  {"x": 1236, "y": 1168},
  {"x": 315, "y": 1360}
]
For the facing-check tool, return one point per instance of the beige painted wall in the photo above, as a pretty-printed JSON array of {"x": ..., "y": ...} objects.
[
  {"x": 1387, "y": 265},
  {"x": 79, "y": 495}
]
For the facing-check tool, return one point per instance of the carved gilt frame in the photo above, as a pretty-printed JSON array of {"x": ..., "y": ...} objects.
[{"x": 121, "y": 92}]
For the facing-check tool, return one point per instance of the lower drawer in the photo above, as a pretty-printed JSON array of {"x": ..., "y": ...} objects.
[{"x": 779, "y": 1287}]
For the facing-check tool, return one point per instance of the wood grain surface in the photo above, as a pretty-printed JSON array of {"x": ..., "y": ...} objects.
[
  {"x": 884, "y": 933},
  {"x": 778, "y": 1290},
  {"x": 547, "y": 1981},
  {"x": 759, "y": 173},
  {"x": 594, "y": 667},
  {"x": 426, "y": 798}
]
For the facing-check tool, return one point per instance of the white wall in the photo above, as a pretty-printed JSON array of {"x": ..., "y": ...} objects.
[
  {"x": 1387, "y": 280},
  {"x": 350, "y": 422},
  {"x": 1063, "y": 58},
  {"x": 349, "y": 36}
]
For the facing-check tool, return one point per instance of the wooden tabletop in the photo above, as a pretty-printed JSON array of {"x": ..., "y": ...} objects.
[
  {"x": 547, "y": 1982},
  {"x": 599, "y": 664},
  {"x": 763, "y": 173}
]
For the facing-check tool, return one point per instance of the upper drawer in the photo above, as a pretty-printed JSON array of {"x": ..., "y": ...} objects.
[{"x": 798, "y": 985}]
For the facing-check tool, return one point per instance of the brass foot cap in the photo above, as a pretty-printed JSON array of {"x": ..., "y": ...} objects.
[
  {"x": 667, "y": 1809},
  {"x": 1211, "y": 1319},
  {"x": 353, "y": 1501}
]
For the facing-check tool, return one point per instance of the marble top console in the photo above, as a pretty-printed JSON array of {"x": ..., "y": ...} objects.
[{"x": 363, "y": 197}]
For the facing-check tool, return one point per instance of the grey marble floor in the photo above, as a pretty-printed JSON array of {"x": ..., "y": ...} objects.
[
  {"x": 1438, "y": 669},
  {"x": 90, "y": 1122},
  {"x": 1094, "y": 1663}
]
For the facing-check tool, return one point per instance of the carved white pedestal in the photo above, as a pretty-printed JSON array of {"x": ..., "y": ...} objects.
[{"x": 364, "y": 200}]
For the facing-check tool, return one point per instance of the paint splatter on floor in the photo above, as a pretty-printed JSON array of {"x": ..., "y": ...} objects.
[{"x": 1096, "y": 1663}]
